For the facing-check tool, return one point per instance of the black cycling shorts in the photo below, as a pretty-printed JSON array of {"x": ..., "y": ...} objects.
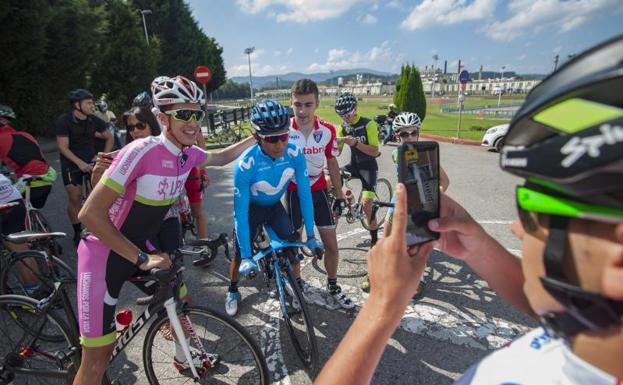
[
  {"x": 323, "y": 213},
  {"x": 275, "y": 216},
  {"x": 72, "y": 176},
  {"x": 366, "y": 175},
  {"x": 39, "y": 195},
  {"x": 169, "y": 237},
  {"x": 14, "y": 218}
]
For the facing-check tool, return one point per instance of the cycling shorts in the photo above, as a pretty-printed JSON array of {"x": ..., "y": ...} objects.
[
  {"x": 13, "y": 219},
  {"x": 275, "y": 216},
  {"x": 169, "y": 236},
  {"x": 101, "y": 274},
  {"x": 323, "y": 212},
  {"x": 366, "y": 175},
  {"x": 193, "y": 186},
  {"x": 39, "y": 195},
  {"x": 72, "y": 176}
]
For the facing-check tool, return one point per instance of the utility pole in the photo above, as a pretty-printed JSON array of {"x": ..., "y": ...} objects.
[
  {"x": 249, "y": 51},
  {"x": 556, "y": 57},
  {"x": 143, "y": 13}
]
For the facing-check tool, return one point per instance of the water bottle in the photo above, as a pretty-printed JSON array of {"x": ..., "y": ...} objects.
[
  {"x": 349, "y": 196},
  {"x": 123, "y": 319}
]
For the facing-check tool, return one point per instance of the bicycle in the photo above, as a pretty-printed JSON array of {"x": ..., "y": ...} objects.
[
  {"x": 354, "y": 209},
  {"x": 26, "y": 325},
  {"x": 35, "y": 221},
  {"x": 272, "y": 256},
  {"x": 187, "y": 220},
  {"x": 206, "y": 257}
]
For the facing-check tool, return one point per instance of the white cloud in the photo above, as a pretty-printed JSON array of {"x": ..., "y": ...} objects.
[
  {"x": 339, "y": 58},
  {"x": 369, "y": 19},
  {"x": 446, "y": 12},
  {"x": 277, "y": 53},
  {"x": 316, "y": 50},
  {"x": 290, "y": 50},
  {"x": 394, "y": 4},
  {"x": 299, "y": 11},
  {"x": 257, "y": 69},
  {"x": 531, "y": 16}
]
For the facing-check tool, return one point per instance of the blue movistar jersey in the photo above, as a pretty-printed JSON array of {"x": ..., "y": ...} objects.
[{"x": 261, "y": 180}]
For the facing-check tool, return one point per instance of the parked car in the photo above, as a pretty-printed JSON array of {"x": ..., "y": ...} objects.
[{"x": 494, "y": 137}]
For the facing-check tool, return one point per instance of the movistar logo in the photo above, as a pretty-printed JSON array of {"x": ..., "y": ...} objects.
[
  {"x": 245, "y": 166},
  {"x": 578, "y": 147},
  {"x": 268, "y": 189},
  {"x": 294, "y": 152}
]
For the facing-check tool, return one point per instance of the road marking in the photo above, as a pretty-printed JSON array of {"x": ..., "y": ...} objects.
[
  {"x": 270, "y": 341},
  {"x": 439, "y": 320}
]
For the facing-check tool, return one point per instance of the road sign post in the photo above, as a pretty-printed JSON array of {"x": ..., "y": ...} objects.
[
  {"x": 203, "y": 75},
  {"x": 463, "y": 79}
]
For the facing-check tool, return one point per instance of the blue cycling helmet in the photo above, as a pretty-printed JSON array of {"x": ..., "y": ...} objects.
[{"x": 269, "y": 117}]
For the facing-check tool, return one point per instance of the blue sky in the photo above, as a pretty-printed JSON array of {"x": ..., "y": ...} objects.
[{"x": 322, "y": 35}]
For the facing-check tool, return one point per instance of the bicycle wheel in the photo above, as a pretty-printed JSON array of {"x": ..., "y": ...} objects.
[
  {"x": 30, "y": 274},
  {"x": 383, "y": 192},
  {"x": 298, "y": 321},
  {"x": 241, "y": 361},
  {"x": 27, "y": 356},
  {"x": 37, "y": 223}
]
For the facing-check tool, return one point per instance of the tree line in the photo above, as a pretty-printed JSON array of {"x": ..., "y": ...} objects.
[{"x": 54, "y": 46}]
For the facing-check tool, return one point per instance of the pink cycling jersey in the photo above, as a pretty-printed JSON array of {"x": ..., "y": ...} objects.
[{"x": 149, "y": 175}]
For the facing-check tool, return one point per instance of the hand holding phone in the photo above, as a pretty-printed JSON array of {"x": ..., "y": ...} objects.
[{"x": 418, "y": 169}]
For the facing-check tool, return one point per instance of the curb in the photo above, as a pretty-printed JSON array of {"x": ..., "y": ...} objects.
[{"x": 437, "y": 138}]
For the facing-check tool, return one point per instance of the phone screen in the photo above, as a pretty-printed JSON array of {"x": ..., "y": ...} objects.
[{"x": 418, "y": 165}]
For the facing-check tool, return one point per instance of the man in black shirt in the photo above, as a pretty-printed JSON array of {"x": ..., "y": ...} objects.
[{"x": 75, "y": 134}]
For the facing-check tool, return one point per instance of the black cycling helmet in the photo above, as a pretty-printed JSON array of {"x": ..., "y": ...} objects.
[
  {"x": 269, "y": 117},
  {"x": 142, "y": 100},
  {"x": 345, "y": 103},
  {"x": 79, "y": 95},
  {"x": 7, "y": 111},
  {"x": 567, "y": 142}
]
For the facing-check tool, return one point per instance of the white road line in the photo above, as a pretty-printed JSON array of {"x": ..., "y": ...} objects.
[
  {"x": 438, "y": 320},
  {"x": 270, "y": 342}
]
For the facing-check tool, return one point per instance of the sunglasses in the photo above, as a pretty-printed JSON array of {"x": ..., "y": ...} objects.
[
  {"x": 276, "y": 138},
  {"x": 187, "y": 115},
  {"x": 531, "y": 202},
  {"x": 406, "y": 134},
  {"x": 139, "y": 126}
]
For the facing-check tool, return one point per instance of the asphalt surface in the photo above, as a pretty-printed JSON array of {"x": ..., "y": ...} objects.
[{"x": 457, "y": 321}]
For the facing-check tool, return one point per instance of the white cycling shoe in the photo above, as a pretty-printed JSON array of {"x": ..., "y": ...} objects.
[{"x": 231, "y": 303}]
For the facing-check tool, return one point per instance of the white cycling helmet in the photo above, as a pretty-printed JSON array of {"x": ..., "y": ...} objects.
[
  {"x": 167, "y": 91},
  {"x": 406, "y": 119}
]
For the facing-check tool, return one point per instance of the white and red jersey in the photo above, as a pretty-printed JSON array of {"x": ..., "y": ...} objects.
[{"x": 317, "y": 147}]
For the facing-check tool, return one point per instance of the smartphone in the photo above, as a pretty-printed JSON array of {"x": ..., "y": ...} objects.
[{"x": 418, "y": 170}]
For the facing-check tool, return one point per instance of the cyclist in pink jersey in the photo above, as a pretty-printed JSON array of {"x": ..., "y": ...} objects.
[{"x": 125, "y": 210}]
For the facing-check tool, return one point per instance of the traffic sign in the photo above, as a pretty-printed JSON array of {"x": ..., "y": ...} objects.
[
  {"x": 463, "y": 77},
  {"x": 203, "y": 74}
]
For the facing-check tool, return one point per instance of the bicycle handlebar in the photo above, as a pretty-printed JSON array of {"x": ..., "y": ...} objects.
[{"x": 163, "y": 277}]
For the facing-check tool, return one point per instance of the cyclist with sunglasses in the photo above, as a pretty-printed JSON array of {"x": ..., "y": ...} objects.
[
  {"x": 566, "y": 142},
  {"x": 361, "y": 134},
  {"x": 126, "y": 209},
  {"x": 406, "y": 128},
  {"x": 261, "y": 176}
]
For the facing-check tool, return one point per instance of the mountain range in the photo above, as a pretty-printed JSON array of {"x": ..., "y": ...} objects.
[{"x": 261, "y": 81}]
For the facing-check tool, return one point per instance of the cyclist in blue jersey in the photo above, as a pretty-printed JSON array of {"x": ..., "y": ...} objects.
[
  {"x": 566, "y": 143},
  {"x": 261, "y": 176}
]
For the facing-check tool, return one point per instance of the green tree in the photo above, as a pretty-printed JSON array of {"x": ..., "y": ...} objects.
[
  {"x": 184, "y": 45},
  {"x": 126, "y": 64},
  {"x": 409, "y": 94}
]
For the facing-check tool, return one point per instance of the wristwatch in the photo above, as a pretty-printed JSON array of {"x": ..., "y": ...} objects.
[{"x": 142, "y": 258}]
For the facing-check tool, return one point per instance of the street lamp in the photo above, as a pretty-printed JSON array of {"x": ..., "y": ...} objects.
[
  {"x": 143, "y": 13},
  {"x": 249, "y": 51},
  {"x": 500, "y": 90}
]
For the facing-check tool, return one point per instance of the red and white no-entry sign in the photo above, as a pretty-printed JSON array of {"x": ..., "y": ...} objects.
[{"x": 203, "y": 74}]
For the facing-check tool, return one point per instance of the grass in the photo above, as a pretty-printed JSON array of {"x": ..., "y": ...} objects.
[{"x": 435, "y": 123}]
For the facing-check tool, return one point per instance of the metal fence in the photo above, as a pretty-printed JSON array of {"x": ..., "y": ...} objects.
[{"x": 222, "y": 119}]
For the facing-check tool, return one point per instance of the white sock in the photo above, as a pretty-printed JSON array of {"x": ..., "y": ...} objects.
[{"x": 179, "y": 352}]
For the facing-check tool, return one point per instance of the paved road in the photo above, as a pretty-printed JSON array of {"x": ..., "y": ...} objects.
[{"x": 458, "y": 321}]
